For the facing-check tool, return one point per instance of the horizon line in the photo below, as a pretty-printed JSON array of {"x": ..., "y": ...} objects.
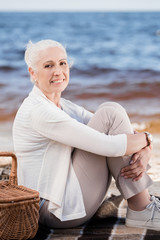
[{"x": 85, "y": 10}]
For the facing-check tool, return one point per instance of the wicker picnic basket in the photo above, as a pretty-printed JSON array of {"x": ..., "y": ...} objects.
[{"x": 19, "y": 207}]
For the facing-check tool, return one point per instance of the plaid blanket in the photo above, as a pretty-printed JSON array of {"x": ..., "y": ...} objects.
[{"x": 108, "y": 223}]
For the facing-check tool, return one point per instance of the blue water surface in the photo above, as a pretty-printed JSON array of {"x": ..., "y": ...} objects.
[
  {"x": 102, "y": 40},
  {"x": 116, "y": 57}
]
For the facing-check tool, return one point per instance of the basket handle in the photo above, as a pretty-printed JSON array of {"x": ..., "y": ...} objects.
[{"x": 13, "y": 174}]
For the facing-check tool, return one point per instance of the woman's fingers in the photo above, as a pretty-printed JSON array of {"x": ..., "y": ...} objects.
[
  {"x": 135, "y": 157},
  {"x": 133, "y": 170},
  {"x": 138, "y": 164},
  {"x": 137, "y": 178},
  {"x": 132, "y": 174},
  {"x": 129, "y": 168}
]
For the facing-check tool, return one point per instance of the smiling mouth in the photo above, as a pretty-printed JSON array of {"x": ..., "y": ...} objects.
[{"x": 57, "y": 81}]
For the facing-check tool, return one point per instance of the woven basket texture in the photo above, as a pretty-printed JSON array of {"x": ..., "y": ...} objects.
[{"x": 19, "y": 207}]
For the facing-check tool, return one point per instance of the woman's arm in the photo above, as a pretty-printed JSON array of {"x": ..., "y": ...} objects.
[
  {"x": 135, "y": 141},
  {"x": 60, "y": 127}
]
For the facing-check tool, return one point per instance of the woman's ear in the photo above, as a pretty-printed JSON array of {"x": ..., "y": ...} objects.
[{"x": 32, "y": 73}]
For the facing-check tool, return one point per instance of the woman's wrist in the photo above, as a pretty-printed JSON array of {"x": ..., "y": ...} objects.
[
  {"x": 136, "y": 142},
  {"x": 149, "y": 138}
]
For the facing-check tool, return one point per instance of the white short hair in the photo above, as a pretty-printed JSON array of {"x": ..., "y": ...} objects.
[{"x": 33, "y": 49}]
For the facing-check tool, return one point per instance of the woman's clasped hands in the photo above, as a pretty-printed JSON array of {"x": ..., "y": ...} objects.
[{"x": 138, "y": 164}]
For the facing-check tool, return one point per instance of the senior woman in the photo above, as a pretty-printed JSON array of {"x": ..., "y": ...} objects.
[{"x": 69, "y": 154}]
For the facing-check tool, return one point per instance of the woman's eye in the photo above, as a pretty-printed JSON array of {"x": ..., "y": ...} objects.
[
  {"x": 63, "y": 63},
  {"x": 48, "y": 66}
]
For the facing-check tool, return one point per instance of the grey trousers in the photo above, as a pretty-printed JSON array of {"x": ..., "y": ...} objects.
[{"x": 94, "y": 172}]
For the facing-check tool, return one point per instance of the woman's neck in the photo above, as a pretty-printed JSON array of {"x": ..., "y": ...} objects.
[{"x": 55, "y": 99}]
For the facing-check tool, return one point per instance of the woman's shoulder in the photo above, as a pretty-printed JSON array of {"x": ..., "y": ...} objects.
[
  {"x": 69, "y": 104},
  {"x": 69, "y": 107},
  {"x": 73, "y": 110}
]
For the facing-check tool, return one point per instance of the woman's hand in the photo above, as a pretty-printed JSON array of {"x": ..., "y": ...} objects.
[{"x": 138, "y": 164}]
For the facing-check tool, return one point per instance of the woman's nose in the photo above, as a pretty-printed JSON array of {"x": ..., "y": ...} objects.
[{"x": 57, "y": 70}]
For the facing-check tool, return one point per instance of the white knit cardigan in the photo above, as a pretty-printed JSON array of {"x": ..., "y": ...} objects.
[{"x": 44, "y": 137}]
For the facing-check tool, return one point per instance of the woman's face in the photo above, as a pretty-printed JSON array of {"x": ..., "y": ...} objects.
[{"x": 52, "y": 71}]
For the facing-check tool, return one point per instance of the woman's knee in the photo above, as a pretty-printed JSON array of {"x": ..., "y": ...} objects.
[
  {"x": 112, "y": 110},
  {"x": 116, "y": 118},
  {"x": 114, "y": 105}
]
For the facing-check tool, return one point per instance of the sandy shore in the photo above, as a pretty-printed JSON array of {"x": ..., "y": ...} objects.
[{"x": 6, "y": 144}]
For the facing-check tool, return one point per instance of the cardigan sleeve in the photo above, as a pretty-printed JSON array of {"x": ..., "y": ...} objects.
[{"x": 53, "y": 123}]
